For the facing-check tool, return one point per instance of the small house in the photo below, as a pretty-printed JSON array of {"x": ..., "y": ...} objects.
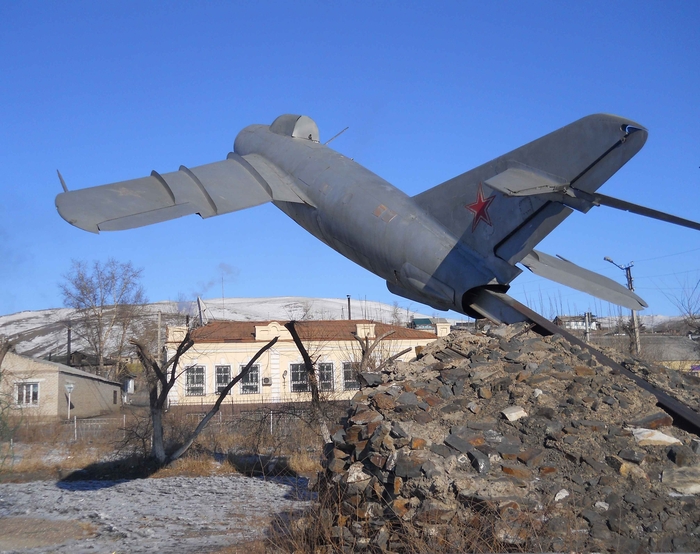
[{"x": 40, "y": 388}]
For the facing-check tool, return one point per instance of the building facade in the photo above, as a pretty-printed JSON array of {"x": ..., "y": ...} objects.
[
  {"x": 39, "y": 388},
  {"x": 222, "y": 349}
]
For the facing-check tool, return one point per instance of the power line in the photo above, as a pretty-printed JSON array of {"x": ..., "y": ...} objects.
[
  {"x": 668, "y": 255},
  {"x": 668, "y": 274}
]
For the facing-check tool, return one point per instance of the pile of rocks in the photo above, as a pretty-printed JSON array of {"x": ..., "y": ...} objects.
[
  {"x": 681, "y": 385},
  {"x": 507, "y": 440}
]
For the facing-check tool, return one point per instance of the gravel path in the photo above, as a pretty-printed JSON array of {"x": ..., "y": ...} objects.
[{"x": 175, "y": 514}]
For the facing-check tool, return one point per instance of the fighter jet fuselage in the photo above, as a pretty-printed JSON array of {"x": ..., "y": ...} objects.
[
  {"x": 371, "y": 222},
  {"x": 454, "y": 246}
]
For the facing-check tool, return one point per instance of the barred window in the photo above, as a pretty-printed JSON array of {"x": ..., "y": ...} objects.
[
  {"x": 325, "y": 377},
  {"x": 250, "y": 384},
  {"x": 27, "y": 393},
  {"x": 300, "y": 379},
  {"x": 350, "y": 381},
  {"x": 223, "y": 377},
  {"x": 195, "y": 381}
]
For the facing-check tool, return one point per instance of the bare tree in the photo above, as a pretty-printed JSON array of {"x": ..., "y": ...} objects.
[
  {"x": 162, "y": 378},
  {"x": 300, "y": 311},
  {"x": 5, "y": 400},
  {"x": 396, "y": 314},
  {"x": 108, "y": 298},
  {"x": 367, "y": 347},
  {"x": 688, "y": 303},
  {"x": 310, "y": 365}
]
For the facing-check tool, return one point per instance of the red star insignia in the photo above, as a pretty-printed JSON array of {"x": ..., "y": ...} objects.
[{"x": 480, "y": 209}]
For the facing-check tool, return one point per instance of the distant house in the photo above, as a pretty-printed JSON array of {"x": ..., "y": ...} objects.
[
  {"x": 81, "y": 359},
  {"x": 438, "y": 325},
  {"x": 223, "y": 348},
  {"x": 38, "y": 389},
  {"x": 576, "y": 322}
]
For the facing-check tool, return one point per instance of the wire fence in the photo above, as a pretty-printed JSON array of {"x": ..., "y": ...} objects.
[
  {"x": 92, "y": 427},
  {"x": 280, "y": 420}
]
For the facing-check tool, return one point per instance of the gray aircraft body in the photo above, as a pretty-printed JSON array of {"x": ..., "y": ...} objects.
[{"x": 448, "y": 247}]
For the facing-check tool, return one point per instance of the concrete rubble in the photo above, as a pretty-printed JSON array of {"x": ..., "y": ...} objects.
[{"x": 508, "y": 439}]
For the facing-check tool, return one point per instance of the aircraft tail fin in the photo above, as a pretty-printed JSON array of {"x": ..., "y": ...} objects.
[{"x": 487, "y": 208}]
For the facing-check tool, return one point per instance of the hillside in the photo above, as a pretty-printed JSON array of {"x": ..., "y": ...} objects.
[{"x": 44, "y": 332}]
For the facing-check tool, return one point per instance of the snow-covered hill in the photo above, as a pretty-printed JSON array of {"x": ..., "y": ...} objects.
[{"x": 44, "y": 332}]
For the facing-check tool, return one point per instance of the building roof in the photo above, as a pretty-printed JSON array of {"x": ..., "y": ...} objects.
[
  {"x": 325, "y": 330},
  {"x": 573, "y": 318},
  {"x": 60, "y": 368}
]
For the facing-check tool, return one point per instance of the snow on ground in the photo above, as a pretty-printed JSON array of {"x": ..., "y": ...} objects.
[{"x": 174, "y": 514}]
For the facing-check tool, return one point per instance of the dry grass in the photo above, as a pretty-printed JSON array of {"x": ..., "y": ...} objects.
[
  {"x": 26, "y": 462},
  {"x": 48, "y": 449},
  {"x": 304, "y": 463},
  {"x": 480, "y": 527},
  {"x": 19, "y": 533},
  {"x": 253, "y": 547},
  {"x": 195, "y": 465}
]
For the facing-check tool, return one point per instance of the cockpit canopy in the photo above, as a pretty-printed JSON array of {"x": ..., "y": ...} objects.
[{"x": 297, "y": 126}]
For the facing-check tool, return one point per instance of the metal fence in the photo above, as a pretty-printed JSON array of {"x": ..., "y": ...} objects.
[{"x": 97, "y": 426}]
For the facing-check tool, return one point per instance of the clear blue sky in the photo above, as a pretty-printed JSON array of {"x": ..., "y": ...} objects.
[{"x": 107, "y": 91}]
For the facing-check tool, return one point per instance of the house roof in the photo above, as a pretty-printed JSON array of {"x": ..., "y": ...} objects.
[
  {"x": 60, "y": 368},
  {"x": 573, "y": 318},
  {"x": 422, "y": 321},
  {"x": 326, "y": 330}
]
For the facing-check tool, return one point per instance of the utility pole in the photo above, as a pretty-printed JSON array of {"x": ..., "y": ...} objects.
[
  {"x": 68, "y": 348},
  {"x": 159, "y": 350},
  {"x": 635, "y": 321}
]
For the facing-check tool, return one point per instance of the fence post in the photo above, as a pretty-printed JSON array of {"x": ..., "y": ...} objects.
[
  {"x": 124, "y": 426},
  {"x": 75, "y": 428},
  {"x": 270, "y": 421}
]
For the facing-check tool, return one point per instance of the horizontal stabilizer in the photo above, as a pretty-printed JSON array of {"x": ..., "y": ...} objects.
[
  {"x": 576, "y": 277},
  {"x": 598, "y": 199},
  {"x": 521, "y": 180},
  {"x": 207, "y": 190}
]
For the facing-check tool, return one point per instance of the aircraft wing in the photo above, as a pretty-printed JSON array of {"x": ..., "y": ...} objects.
[
  {"x": 574, "y": 276},
  {"x": 208, "y": 190}
]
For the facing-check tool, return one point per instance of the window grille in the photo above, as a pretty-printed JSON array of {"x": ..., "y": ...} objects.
[
  {"x": 250, "y": 384},
  {"x": 300, "y": 379},
  {"x": 195, "y": 381},
  {"x": 223, "y": 377},
  {"x": 350, "y": 381},
  {"x": 325, "y": 377}
]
